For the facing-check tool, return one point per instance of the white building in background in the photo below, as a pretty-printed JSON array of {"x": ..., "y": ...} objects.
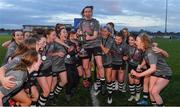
[{"x": 30, "y": 28}]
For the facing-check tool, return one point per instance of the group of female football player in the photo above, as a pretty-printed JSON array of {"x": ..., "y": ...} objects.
[{"x": 39, "y": 65}]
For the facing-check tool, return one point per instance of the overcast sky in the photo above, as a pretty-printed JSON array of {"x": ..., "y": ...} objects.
[{"x": 134, "y": 14}]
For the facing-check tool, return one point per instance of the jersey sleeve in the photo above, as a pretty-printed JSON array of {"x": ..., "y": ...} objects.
[
  {"x": 125, "y": 49},
  {"x": 19, "y": 78},
  {"x": 110, "y": 44},
  {"x": 12, "y": 63},
  {"x": 97, "y": 26},
  {"x": 152, "y": 57},
  {"x": 80, "y": 25}
]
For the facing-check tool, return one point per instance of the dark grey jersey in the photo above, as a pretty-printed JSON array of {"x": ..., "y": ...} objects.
[
  {"x": 107, "y": 43},
  {"x": 10, "y": 51},
  {"x": 71, "y": 56},
  {"x": 19, "y": 77},
  {"x": 11, "y": 64},
  {"x": 161, "y": 65},
  {"x": 117, "y": 52},
  {"x": 89, "y": 26},
  {"x": 48, "y": 60},
  {"x": 135, "y": 56},
  {"x": 58, "y": 63}
]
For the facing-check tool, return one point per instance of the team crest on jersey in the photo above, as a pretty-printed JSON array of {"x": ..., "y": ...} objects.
[
  {"x": 149, "y": 54},
  {"x": 120, "y": 49},
  {"x": 92, "y": 25},
  {"x": 43, "y": 57}
]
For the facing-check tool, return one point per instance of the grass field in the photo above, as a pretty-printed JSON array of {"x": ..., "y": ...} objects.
[{"x": 171, "y": 94}]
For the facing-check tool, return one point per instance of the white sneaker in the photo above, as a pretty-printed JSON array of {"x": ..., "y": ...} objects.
[
  {"x": 109, "y": 101},
  {"x": 131, "y": 98},
  {"x": 137, "y": 97},
  {"x": 122, "y": 90}
]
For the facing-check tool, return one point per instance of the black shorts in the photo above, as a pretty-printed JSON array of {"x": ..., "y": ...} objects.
[
  {"x": 46, "y": 72},
  {"x": 162, "y": 76},
  {"x": 107, "y": 66},
  {"x": 118, "y": 67},
  {"x": 32, "y": 80},
  {"x": 71, "y": 67},
  {"x": 54, "y": 74},
  {"x": 79, "y": 62},
  {"x": 30, "y": 83},
  {"x": 96, "y": 51}
]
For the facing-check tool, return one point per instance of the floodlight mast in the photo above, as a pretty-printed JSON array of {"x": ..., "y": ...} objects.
[{"x": 166, "y": 17}]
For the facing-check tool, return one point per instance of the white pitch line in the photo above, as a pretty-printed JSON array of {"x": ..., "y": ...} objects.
[{"x": 95, "y": 101}]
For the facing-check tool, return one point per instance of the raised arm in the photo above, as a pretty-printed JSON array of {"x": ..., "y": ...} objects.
[
  {"x": 6, "y": 44},
  {"x": 60, "y": 42},
  {"x": 160, "y": 51}
]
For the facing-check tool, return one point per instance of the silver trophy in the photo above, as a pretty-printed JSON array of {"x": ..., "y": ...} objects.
[
  {"x": 83, "y": 52},
  {"x": 82, "y": 40}
]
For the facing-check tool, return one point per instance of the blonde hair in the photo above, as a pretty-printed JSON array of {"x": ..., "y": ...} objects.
[{"x": 145, "y": 40}]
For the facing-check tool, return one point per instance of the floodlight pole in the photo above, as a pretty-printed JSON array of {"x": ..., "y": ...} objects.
[{"x": 166, "y": 17}]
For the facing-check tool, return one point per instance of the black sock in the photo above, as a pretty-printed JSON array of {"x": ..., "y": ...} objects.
[
  {"x": 121, "y": 84},
  {"x": 51, "y": 95},
  {"x": 58, "y": 90},
  {"x": 84, "y": 79},
  {"x": 42, "y": 100},
  {"x": 89, "y": 79},
  {"x": 153, "y": 103},
  {"x": 109, "y": 87},
  {"x": 33, "y": 102},
  {"x": 113, "y": 85},
  {"x": 132, "y": 89},
  {"x": 160, "y": 105},
  {"x": 145, "y": 95},
  {"x": 90, "y": 82},
  {"x": 98, "y": 83},
  {"x": 102, "y": 80},
  {"x": 138, "y": 88}
]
